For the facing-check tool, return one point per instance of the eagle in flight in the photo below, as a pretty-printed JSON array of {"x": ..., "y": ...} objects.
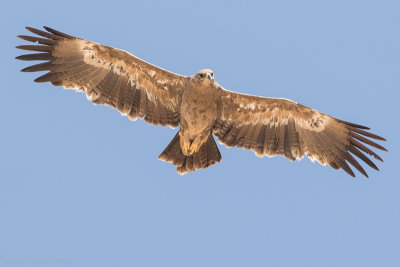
[{"x": 198, "y": 105}]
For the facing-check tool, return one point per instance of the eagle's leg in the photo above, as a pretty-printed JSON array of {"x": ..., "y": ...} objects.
[
  {"x": 192, "y": 146},
  {"x": 198, "y": 142},
  {"x": 185, "y": 143}
]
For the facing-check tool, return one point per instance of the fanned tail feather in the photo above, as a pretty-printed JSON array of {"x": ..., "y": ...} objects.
[{"x": 207, "y": 156}]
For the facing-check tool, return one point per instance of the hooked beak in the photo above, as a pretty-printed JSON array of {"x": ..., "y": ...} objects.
[{"x": 209, "y": 76}]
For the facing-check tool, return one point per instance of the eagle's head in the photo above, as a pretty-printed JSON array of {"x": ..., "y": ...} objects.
[{"x": 205, "y": 75}]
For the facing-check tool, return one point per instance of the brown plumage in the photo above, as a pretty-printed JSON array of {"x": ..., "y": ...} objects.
[{"x": 199, "y": 105}]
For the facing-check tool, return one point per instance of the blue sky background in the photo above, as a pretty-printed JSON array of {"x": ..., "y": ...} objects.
[{"x": 81, "y": 186}]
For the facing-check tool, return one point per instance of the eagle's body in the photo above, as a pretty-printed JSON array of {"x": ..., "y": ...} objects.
[
  {"x": 198, "y": 114},
  {"x": 199, "y": 106}
]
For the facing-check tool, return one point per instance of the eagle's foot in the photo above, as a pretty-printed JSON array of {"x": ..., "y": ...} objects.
[
  {"x": 189, "y": 148},
  {"x": 194, "y": 147},
  {"x": 185, "y": 146},
  {"x": 197, "y": 144},
  {"x": 186, "y": 150}
]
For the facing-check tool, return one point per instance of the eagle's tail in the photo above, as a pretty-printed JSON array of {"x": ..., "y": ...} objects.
[{"x": 207, "y": 155}]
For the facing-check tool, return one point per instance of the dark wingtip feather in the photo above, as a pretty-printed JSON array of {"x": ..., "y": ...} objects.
[
  {"x": 38, "y": 48},
  {"x": 36, "y": 56},
  {"x": 365, "y": 133},
  {"x": 351, "y": 173},
  {"x": 38, "y": 67},
  {"x": 354, "y": 125},
  {"x": 355, "y": 151},
  {"x": 23, "y": 37},
  {"x": 33, "y": 30},
  {"x": 44, "y": 34},
  {"x": 364, "y": 148},
  {"x": 38, "y": 40},
  {"x": 347, "y": 168},
  {"x": 355, "y": 163},
  {"x": 367, "y": 141},
  {"x": 44, "y": 78},
  {"x": 57, "y": 32}
]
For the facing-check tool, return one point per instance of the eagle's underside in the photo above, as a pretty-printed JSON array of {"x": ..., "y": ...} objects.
[{"x": 268, "y": 126}]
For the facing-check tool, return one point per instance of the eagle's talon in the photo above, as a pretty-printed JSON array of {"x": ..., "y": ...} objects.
[
  {"x": 194, "y": 148},
  {"x": 186, "y": 149}
]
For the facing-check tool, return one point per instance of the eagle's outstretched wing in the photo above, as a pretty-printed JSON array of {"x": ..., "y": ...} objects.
[
  {"x": 274, "y": 126},
  {"x": 107, "y": 75}
]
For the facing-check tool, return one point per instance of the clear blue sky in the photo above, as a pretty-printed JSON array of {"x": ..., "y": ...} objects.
[{"x": 81, "y": 186}]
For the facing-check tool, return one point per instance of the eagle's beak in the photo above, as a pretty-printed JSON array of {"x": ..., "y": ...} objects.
[{"x": 209, "y": 76}]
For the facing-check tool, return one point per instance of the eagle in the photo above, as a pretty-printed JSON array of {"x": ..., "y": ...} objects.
[{"x": 199, "y": 106}]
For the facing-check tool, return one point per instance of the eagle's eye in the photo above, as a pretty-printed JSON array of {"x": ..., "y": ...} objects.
[
  {"x": 202, "y": 75},
  {"x": 212, "y": 74}
]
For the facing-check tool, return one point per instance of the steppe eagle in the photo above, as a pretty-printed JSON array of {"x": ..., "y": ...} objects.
[{"x": 198, "y": 105}]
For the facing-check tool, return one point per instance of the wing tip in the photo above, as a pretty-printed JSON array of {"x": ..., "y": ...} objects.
[
  {"x": 58, "y": 33},
  {"x": 378, "y": 158},
  {"x": 351, "y": 174},
  {"x": 25, "y": 69},
  {"x": 354, "y": 124},
  {"x": 47, "y": 28},
  {"x": 44, "y": 78},
  {"x": 20, "y": 57}
]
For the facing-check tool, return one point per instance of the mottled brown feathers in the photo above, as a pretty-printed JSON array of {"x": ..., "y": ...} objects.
[
  {"x": 268, "y": 126},
  {"x": 273, "y": 126},
  {"x": 107, "y": 75}
]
